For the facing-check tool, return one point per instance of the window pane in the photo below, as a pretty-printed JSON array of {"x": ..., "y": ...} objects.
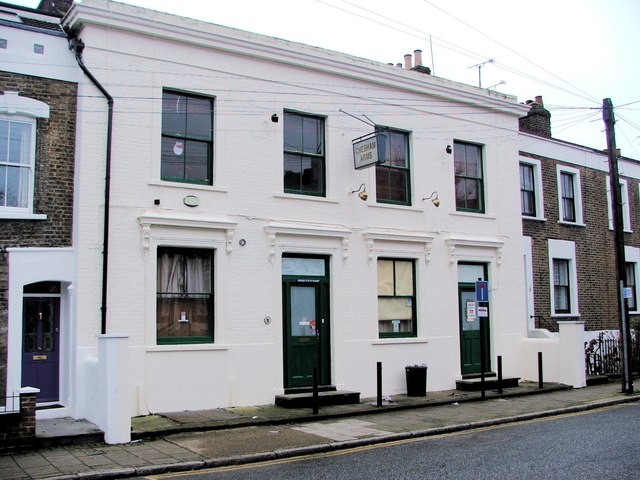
[
  {"x": 174, "y": 114},
  {"x": 19, "y": 143},
  {"x": 395, "y": 308},
  {"x": 293, "y": 132},
  {"x": 303, "y": 311},
  {"x": 196, "y": 157},
  {"x": 397, "y": 185},
  {"x": 199, "y": 114},
  {"x": 292, "y": 169},
  {"x": 404, "y": 278},
  {"x": 312, "y": 136},
  {"x": 303, "y": 266},
  {"x": 17, "y": 189},
  {"x": 385, "y": 277},
  {"x": 312, "y": 174},
  {"x": 185, "y": 294},
  {"x": 397, "y": 149},
  {"x": 4, "y": 140},
  {"x": 172, "y": 167}
]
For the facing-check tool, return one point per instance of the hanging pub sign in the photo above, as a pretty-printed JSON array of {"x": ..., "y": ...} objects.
[{"x": 369, "y": 149}]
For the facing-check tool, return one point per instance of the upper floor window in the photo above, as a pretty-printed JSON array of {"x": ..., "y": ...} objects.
[
  {"x": 630, "y": 282},
  {"x": 17, "y": 161},
  {"x": 187, "y": 138},
  {"x": 570, "y": 195},
  {"x": 396, "y": 298},
  {"x": 184, "y": 295},
  {"x": 527, "y": 190},
  {"x": 304, "y": 154},
  {"x": 624, "y": 198},
  {"x": 564, "y": 278},
  {"x": 393, "y": 176},
  {"x": 561, "y": 286},
  {"x": 469, "y": 186}
]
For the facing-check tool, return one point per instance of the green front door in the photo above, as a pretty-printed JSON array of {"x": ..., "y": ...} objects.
[
  {"x": 306, "y": 322},
  {"x": 470, "y": 331}
]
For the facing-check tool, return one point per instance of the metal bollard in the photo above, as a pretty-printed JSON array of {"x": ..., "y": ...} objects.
[
  {"x": 315, "y": 390},
  {"x": 540, "y": 379},
  {"x": 379, "y": 384},
  {"x": 499, "y": 374}
]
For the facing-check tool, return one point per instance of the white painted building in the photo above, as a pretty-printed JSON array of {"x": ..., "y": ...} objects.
[{"x": 236, "y": 228}]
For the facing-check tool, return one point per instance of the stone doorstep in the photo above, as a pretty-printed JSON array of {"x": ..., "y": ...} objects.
[
  {"x": 491, "y": 383},
  {"x": 305, "y": 400}
]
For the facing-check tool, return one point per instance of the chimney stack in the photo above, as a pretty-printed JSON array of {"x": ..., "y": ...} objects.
[
  {"x": 418, "y": 57},
  {"x": 407, "y": 61},
  {"x": 538, "y": 120}
]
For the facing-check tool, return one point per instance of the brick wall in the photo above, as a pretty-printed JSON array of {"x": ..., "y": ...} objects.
[
  {"x": 53, "y": 194},
  {"x": 594, "y": 242},
  {"x": 19, "y": 429}
]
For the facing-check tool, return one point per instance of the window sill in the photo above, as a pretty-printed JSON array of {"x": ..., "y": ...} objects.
[
  {"x": 534, "y": 219},
  {"x": 188, "y": 186},
  {"x": 488, "y": 216},
  {"x": 399, "y": 341},
  {"x": 393, "y": 206},
  {"x": 22, "y": 216},
  {"x": 197, "y": 347},
  {"x": 571, "y": 224},
  {"x": 565, "y": 316},
  {"x": 312, "y": 198}
]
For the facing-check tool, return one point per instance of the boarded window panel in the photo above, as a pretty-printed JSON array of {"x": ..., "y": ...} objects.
[
  {"x": 404, "y": 278},
  {"x": 394, "y": 309},
  {"x": 385, "y": 277}
]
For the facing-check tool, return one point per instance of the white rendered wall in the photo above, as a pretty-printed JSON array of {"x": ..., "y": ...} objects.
[{"x": 245, "y": 364}]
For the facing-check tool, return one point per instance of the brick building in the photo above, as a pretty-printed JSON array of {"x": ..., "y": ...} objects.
[
  {"x": 38, "y": 86},
  {"x": 566, "y": 222}
]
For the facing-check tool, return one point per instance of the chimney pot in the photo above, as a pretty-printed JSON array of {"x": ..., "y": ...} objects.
[
  {"x": 539, "y": 100},
  {"x": 407, "y": 61},
  {"x": 418, "y": 57}
]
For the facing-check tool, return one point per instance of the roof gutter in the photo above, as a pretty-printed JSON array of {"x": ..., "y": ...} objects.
[{"x": 77, "y": 46}]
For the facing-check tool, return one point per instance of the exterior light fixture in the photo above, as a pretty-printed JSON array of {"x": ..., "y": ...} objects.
[
  {"x": 434, "y": 199},
  {"x": 448, "y": 149},
  {"x": 274, "y": 118},
  {"x": 362, "y": 192}
]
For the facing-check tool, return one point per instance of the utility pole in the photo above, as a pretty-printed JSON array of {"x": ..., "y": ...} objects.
[{"x": 618, "y": 228}]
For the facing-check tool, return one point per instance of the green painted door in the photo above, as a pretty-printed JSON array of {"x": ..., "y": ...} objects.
[
  {"x": 306, "y": 328},
  {"x": 470, "y": 331}
]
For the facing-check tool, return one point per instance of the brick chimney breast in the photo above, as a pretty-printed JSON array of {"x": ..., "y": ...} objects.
[{"x": 538, "y": 121}]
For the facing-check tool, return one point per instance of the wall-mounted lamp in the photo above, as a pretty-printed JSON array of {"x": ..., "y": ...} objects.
[
  {"x": 434, "y": 199},
  {"x": 274, "y": 118},
  {"x": 448, "y": 149},
  {"x": 362, "y": 192}
]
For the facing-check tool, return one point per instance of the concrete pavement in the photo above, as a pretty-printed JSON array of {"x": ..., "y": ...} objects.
[{"x": 191, "y": 440}]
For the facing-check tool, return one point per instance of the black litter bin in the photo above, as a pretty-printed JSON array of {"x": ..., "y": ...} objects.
[{"x": 416, "y": 380}]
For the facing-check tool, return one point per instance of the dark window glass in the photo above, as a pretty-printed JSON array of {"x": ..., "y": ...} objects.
[
  {"x": 561, "y": 288},
  {"x": 184, "y": 296},
  {"x": 304, "y": 156},
  {"x": 187, "y": 138},
  {"x": 568, "y": 197},
  {"x": 393, "y": 175},
  {"x": 630, "y": 282},
  {"x": 396, "y": 298},
  {"x": 469, "y": 183},
  {"x": 527, "y": 190}
]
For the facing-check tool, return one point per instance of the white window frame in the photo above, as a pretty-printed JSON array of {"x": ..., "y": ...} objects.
[
  {"x": 632, "y": 255},
  {"x": 626, "y": 214},
  {"x": 16, "y": 108},
  {"x": 577, "y": 194},
  {"x": 537, "y": 189},
  {"x": 564, "y": 250}
]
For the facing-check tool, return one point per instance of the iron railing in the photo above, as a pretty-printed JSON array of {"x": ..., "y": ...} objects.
[
  {"x": 541, "y": 322},
  {"x": 603, "y": 355},
  {"x": 11, "y": 405}
]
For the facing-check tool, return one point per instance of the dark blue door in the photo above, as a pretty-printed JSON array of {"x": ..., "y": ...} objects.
[{"x": 40, "y": 346}]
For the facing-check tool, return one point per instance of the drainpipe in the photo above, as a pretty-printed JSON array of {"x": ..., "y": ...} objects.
[{"x": 77, "y": 46}]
